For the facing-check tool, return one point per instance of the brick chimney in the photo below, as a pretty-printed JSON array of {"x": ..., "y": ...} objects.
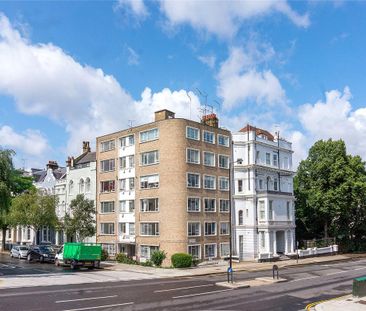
[
  {"x": 210, "y": 120},
  {"x": 163, "y": 115},
  {"x": 52, "y": 165},
  {"x": 86, "y": 146}
]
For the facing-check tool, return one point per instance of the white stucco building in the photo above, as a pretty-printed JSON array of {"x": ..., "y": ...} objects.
[{"x": 264, "y": 218}]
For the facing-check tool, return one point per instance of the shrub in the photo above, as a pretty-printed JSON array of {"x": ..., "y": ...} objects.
[
  {"x": 104, "y": 256},
  {"x": 181, "y": 260},
  {"x": 157, "y": 257},
  {"x": 147, "y": 263},
  {"x": 123, "y": 258}
]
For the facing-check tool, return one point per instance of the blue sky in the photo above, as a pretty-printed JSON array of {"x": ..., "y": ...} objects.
[{"x": 71, "y": 71}]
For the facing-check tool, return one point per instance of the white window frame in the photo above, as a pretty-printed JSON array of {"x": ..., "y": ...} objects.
[
  {"x": 194, "y": 128},
  {"x": 210, "y": 222},
  {"x": 199, "y": 204},
  {"x": 156, "y": 157},
  {"x": 215, "y": 255},
  {"x": 228, "y": 161},
  {"x": 148, "y": 211},
  {"x": 206, "y": 141},
  {"x": 199, "y": 156},
  {"x": 204, "y": 209},
  {"x": 199, "y": 250},
  {"x": 149, "y": 139},
  {"x": 224, "y": 136},
  {"x": 199, "y": 180},
  {"x": 224, "y": 178},
  {"x": 150, "y": 185},
  {"x": 110, "y": 202},
  {"x": 204, "y": 158},
  {"x": 228, "y": 209},
  {"x": 109, "y": 223},
  {"x": 150, "y": 222},
  {"x": 262, "y": 210},
  {"x": 111, "y": 167},
  {"x": 228, "y": 228},
  {"x": 204, "y": 178},
  {"x": 111, "y": 145},
  {"x": 199, "y": 228},
  {"x": 221, "y": 255}
]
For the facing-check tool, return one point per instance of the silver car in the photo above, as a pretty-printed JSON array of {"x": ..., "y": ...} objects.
[{"x": 19, "y": 251}]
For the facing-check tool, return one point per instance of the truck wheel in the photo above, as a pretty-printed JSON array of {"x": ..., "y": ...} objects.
[
  {"x": 97, "y": 264},
  {"x": 73, "y": 265}
]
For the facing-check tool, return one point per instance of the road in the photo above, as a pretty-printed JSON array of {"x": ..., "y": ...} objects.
[{"x": 305, "y": 284}]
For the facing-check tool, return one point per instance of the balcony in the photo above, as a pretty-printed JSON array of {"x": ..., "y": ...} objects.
[
  {"x": 125, "y": 238},
  {"x": 274, "y": 192}
]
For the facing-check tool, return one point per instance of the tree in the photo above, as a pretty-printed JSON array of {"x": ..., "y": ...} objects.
[
  {"x": 330, "y": 191},
  {"x": 6, "y": 167},
  {"x": 80, "y": 221},
  {"x": 34, "y": 209}
]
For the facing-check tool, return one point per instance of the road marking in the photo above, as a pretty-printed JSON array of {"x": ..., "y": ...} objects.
[
  {"x": 179, "y": 288},
  {"x": 100, "y": 307},
  {"x": 87, "y": 298},
  {"x": 308, "y": 278},
  {"x": 346, "y": 271},
  {"x": 204, "y": 293}
]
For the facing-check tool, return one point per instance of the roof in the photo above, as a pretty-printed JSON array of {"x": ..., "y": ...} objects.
[
  {"x": 40, "y": 175},
  {"x": 258, "y": 131},
  {"x": 85, "y": 158}
]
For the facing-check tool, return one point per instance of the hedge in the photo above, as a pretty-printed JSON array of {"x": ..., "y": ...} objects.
[{"x": 181, "y": 260}]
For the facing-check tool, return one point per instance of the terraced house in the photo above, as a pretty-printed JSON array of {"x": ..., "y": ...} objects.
[{"x": 165, "y": 185}]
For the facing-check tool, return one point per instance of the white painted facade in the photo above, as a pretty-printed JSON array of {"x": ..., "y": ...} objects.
[{"x": 264, "y": 218}]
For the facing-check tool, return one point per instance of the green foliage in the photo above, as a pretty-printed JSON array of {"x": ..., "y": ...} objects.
[
  {"x": 147, "y": 263},
  {"x": 330, "y": 191},
  {"x": 123, "y": 258},
  {"x": 33, "y": 209},
  {"x": 181, "y": 260},
  {"x": 80, "y": 222},
  {"x": 104, "y": 255},
  {"x": 157, "y": 257}
]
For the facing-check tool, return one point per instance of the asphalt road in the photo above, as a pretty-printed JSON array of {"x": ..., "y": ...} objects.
[{"x": 305, "y": 284}]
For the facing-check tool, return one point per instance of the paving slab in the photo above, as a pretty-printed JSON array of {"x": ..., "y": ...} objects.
[{"x": 348, "y": 303}]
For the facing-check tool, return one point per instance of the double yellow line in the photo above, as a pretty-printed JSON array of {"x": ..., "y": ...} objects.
[{"x": 313, "y": 304}]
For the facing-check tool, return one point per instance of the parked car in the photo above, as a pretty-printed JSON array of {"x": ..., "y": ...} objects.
[
  {"x": 41, "y": 252},
  {"x": 59, "y": 258},
  {"x": 19, "y": 251}
]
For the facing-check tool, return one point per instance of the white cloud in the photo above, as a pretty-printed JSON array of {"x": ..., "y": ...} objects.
[
  {"x": 209, "y": 60},
  {"x": 240, "y": 81},
  {"x": 30, "y": 142},
  {"x": 45, "y": 81},
  {"x": 133, "y": 57},
  {"x": 136, "y": 7},
  {"x": 335, "y": 118},
  {"x": 224, "y": 18}
]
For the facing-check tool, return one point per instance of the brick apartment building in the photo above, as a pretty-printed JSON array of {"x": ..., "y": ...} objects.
[{"x": 165, "y": 185}]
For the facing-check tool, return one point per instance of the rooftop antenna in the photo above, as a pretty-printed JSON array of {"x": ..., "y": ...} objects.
[
  {"x": 218, "y": 104},
  {"x": 190, "y": 105},
  {"x": 130, "y": 123}
]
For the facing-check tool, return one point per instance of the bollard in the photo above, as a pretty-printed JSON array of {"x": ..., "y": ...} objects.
[{"x": 275, "y": 268}]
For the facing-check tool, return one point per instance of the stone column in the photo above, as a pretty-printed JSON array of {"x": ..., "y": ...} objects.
[
  {"x": 274, "y": 242},
  {"x": 57, "y": 237},
  {"x": 286, "y": 243},
  {"x": 267, "y": 241}
]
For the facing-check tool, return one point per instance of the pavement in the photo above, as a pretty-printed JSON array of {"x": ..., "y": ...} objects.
[{"x": 343, "y": 303}]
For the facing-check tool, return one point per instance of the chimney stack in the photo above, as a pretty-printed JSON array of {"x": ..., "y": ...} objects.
[
  {"x": 52, "y": 165},
  {"x": 86, "y": 146},
  {"x": 210, "y": 120},
  {"x": 164, "y": 114}
]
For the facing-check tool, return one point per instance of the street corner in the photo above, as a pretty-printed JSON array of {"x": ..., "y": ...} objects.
[
  {"x": 233, "y": 285},
  {"x": 342, "y": 303}
]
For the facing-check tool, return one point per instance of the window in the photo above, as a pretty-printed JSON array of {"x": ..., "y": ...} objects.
[
  {"x": 107, "y": 165},
  {"x": 257, "y": 156},
  {"x": 224, "y": 228},
  {"x": 194, "y": 229},
  {"x": 127, "y": 206},
  {"x": 149, "y": 205},
  {"x": 262, "y": 239},
  {"x": 131, "y": 161},
  {"x": 268, "y": 158},
  {"x": 131, "y": 183},
  {"x": 149, "y": 228},
  {"x": 81, "y": 186},
  {"x": 210, "y": 228},
  {"x": 210, "y": 250},
  {"x": 224, "y": 249},
  {"x": 122, "y": 228},
  {"x": 224, "y": 183},
  {"x": 87, "y": 185},
  {"x": 193, "y": 204},
  {"x": 127, "y": 141},
  {"x": 71, "y": 186},
  {"x": 127, "y": 181},
  {"x": 260, "y": 184},
  {"x": 194, "y": 251},
  {"x": 28, "y": 233},
  {"x": 224, "y": 206},
  {"x": 208, "y": 158},
  {"x": 223, "y": 140},
  {"x": 270, "y": 210},
  {"x": 149, "y": 135},
  {"x": 210, "y": 205},
  {"x": 193, "y": 180},
  {"x": 275, "y": 184},
  {"x": 146, "y": 251},
  {"x": 107, "y": 145},
  {"x": 107, "y": 228},
  {"x": 193, "y": 156},
  {"x": 123, "y": 163},
  {"x": 150, "y": 181},
  {"x": 240, "y": 218},
  {"x": 285, "y": 163},
  {"x": 107, "y": 186},
  {"x": 240, "y": 185},
  {"x": 131, "y": 228},
  {"x": 247, "y": 213},
  {"x": 149, "y": 158},
  {"x": 122, "y": 184},
  {"x": 223, "y": 161},
  {"x": 209, "y": 137},
  {"x": 262, "y": 212},
  {"x": 46, "y": 234},
  {"x": 288, "y": 210},
  {"x": 110, "y": 248},
  {"x": 209, "y": 182},
  {"x": 107, "y": 207},
  {"x": 192, "y": 133},
  {"x": 275, "y": 162}
]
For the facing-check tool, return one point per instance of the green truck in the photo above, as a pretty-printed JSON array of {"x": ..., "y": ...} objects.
[{"x": 79, "y": 254}]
